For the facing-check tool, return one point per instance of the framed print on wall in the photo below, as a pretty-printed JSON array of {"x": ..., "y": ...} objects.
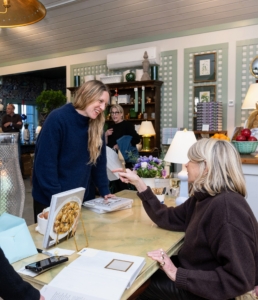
[
  {"x": 205, "y": 67},
  {"x": 204, "y": 93}
]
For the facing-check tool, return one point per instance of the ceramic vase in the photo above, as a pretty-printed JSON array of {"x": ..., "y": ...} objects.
[{"x": 149, "y": 182}]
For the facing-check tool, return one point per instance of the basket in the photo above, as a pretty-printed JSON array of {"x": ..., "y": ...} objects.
[
  {"x": 245, "y": 147},
  {"x": 111, "y": 79}
]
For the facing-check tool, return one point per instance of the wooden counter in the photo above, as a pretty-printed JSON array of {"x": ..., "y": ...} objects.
[{"x": 249, "y": 159}]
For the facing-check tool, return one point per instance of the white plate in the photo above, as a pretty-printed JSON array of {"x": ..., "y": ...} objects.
[{"x": 71, "y": 199}]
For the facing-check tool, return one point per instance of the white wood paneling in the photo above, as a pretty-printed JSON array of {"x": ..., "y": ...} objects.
[{"x": 90, "y": 23}]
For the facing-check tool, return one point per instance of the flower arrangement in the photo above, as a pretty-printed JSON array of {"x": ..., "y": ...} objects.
[{"x": 149, "y": 167}]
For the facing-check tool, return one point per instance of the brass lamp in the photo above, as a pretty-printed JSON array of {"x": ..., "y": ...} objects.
[
  {"x": 21, "y": 12},
  {"x": 146, "y": 130},
  {"x": 251, "y": 102}
]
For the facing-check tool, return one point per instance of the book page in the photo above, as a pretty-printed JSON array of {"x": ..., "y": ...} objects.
[
  {"x": 89, "y": 283},
  {"x": 112, "y": 163},
  {"x": 86, "y": 274},
  {"x": 52, "y": 293}
]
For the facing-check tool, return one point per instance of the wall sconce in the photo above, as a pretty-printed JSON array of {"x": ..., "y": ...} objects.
[
  {"x": 12, "y": 191},
  {"x": 146, "y": 130},
  {"x": 177, "y": 153}
]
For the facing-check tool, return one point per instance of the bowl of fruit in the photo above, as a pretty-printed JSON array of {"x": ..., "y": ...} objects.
[{"x": 245, "y": 143}]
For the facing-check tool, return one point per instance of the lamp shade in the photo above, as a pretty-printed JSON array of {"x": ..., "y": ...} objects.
[
  {"x": 146, "y": 129},
  {"x": 21, "y": 12},
  {"x": 251, "y": 98},
  {"x": 178, "y": 149}
]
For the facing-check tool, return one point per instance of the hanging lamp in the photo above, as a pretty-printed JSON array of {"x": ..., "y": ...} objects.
[{"x": 21, "y": 12}]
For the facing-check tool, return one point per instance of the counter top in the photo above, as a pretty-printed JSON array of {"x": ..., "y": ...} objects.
[
  {"x": 249, "y": 159},
  {"x": 128, "y": 231}
]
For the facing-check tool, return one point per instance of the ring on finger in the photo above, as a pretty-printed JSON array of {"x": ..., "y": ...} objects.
[{"x": 162, "y": 264}]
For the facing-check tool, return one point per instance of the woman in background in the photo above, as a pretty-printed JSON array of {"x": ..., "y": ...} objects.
[
  {"x": 118, "y": 129},
  {"x": 219, "y": 257},
  {"x": 70, "y": 150}
]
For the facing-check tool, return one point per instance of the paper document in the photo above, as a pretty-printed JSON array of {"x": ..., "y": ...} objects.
[
  {"x": 113, "y": 163},
  {"x": 113, "y": 272}
]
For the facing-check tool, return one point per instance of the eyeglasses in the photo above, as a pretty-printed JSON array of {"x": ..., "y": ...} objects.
[{"x": 115, "y": 112}]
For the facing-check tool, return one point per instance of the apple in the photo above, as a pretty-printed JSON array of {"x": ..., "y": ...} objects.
[
  {"x": 252, "y": 138},
  {"x": 241, "y": 138},
  {"x": 246, "y": 132}
]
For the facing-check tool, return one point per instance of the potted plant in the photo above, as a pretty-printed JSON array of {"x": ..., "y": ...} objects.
[{"x": 49, "y": 100}]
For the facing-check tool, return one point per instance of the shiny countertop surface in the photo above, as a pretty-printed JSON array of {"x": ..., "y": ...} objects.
[{"x": 127, "y": 231}]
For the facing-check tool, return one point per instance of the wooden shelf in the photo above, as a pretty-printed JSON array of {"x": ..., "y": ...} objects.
[
  {"x": 198, "y": 133},
  {"x": 72, "y": 90},
  {"x": 136, "y": 120},
  {"x": 249, "y": 159},
  {"x": 153, "y": 91}
]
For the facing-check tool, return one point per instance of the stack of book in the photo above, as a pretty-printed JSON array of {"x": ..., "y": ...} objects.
[{"x": 209, "y": 113}]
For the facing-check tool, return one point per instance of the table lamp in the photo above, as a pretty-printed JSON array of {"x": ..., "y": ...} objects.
[
  {"x": 146, "y": 130},
  {"x": 177, "y": 153},
  {"x": 251, "y": 102}
]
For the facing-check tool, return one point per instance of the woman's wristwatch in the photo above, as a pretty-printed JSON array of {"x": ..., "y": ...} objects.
[{"x": 11, "y": 124}]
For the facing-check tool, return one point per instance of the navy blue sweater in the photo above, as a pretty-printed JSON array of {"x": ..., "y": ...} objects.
[
  {"x": 12, "y": 286},
  {"x": 62, "y": 156}
]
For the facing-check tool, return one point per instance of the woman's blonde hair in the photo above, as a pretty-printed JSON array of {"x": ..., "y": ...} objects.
[
  {"x": 220, "y": 167},
  {"x": 88, "y": 93},
  {"x": 119, "y": 108}
]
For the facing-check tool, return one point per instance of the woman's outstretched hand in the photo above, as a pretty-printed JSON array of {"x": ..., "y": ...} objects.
[
  {"x": 106, "y": 197},
  {"x": 131, "y": 177}
]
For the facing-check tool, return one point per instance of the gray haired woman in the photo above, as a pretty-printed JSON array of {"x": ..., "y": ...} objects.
[{"x": 219, "y": 257}]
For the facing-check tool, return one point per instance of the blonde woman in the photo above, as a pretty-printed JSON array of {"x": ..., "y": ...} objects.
[
  {"x": 70, "y": 150},
  {"x": 119, "y": 128},
  {"x": 219, "y": 256}
]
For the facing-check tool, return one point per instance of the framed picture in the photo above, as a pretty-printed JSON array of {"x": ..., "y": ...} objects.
[
  {"x": 204, "y": 93},
  {"x": 205, "y": 67}
]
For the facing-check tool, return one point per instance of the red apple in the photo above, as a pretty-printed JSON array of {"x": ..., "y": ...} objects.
[
  {"x": 241, "y": 138},
  {"x": 246, "y": 132},
  {"x": 252, "y": 138}
]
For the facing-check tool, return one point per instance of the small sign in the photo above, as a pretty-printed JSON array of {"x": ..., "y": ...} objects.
[
  {"x": 205, "y": 127},
  {"x": 169, "y": 141}
]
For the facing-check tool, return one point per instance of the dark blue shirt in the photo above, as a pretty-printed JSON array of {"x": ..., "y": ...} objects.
[{"x": 61, "y": 159}]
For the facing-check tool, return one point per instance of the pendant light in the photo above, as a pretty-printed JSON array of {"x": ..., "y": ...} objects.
[{"x": 21, "y": 12}]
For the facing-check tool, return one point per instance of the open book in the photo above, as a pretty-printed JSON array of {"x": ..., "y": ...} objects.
[
  {"x": 96, "y": 275},
  {"x": 63, "y": 216}
]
